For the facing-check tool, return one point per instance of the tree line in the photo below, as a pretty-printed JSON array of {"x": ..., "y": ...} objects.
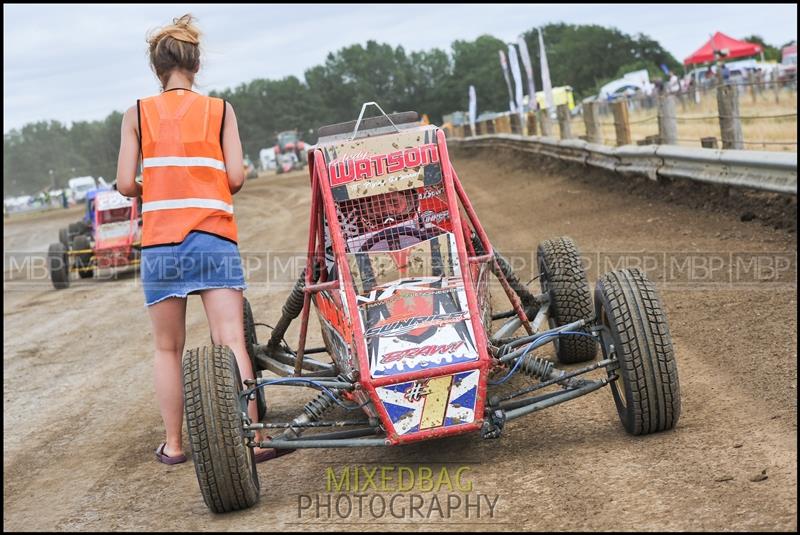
[{"x": 433, "y": 82}]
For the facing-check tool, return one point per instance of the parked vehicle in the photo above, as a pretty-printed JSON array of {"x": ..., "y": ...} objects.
[
  {"x": 80, "y": 186},
  {"x": 268, "y": 159},
  {"x": 788, "y": 65},
  {"x": 561, "y": 95},
  {"x": 630, "y": 84}
]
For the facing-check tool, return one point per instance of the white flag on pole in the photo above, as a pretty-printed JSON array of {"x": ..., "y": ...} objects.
[
  {"x": 514, "y": 61},
  {"x": 546, "y": 85},
  {"x": 473, "y": 108},
  {"x": 504, "y": 65},
  {"x": 526, "y": 61}
]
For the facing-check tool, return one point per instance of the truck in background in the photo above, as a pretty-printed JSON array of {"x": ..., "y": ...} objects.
[{"x": 80, "y": 186}]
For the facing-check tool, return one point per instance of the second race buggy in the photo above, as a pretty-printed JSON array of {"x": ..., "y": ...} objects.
[
  {"x": 398, "y": 270},
  {"x": 108, "y": 237}
]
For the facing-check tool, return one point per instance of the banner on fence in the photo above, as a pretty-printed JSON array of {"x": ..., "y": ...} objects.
[
  {"x": 526, "y": 62},
  {"x": 514, "y": 61},
  {"x": 473, "y": 108},
  {"x": 546, "y": 85},
  {"x": 504, "y": 65}
]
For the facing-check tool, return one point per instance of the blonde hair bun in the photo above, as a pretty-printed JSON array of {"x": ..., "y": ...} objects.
[{"x": 175, "y": 46}]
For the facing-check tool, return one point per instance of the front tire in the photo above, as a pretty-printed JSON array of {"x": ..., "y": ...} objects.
[
  {"x": 223, "y": 462},
  {"x": 562, "y": 277},
  {"x": 58, "y": 265},
  {"x": 648, "y": 399}
]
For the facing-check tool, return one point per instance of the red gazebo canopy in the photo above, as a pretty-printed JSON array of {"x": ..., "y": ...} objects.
[{"x": 720, "y": 41}]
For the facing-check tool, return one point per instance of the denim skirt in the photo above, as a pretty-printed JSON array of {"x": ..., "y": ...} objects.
[{"x": 202, "y": 261}]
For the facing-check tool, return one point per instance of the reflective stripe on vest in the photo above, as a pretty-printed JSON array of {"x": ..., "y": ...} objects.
[
  {"x": 183, "y": 161},
  {"x": 213, "y": 204}
]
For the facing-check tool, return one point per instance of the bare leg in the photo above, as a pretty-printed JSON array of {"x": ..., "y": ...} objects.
[
  {"x": 169, "y": 332},
  {"x": 224, "y": 312}
]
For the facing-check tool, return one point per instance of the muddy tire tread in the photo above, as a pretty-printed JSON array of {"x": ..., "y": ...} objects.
[
  {"x": 213, "y": 418},
  {"x": 647, "y": 360},
  {"x": 570, "y": 295}
]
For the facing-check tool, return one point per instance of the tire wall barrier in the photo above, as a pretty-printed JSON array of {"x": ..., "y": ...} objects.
[{"x": 761, "y": 170}]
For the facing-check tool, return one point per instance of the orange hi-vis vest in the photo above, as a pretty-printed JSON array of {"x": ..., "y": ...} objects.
[{"x": 184, "y": 183}]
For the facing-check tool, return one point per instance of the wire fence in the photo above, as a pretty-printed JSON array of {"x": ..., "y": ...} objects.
[
  {"x": 767, "y": 116},
  {"x": 764, "y": 117}
]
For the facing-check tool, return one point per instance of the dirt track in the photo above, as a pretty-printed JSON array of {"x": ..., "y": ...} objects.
[{"x": 81, "y": 421}]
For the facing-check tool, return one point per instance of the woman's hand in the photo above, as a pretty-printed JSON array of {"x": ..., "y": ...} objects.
[
  {"x": 128, "y": 161},
  {"x": 232, "y": 150}
]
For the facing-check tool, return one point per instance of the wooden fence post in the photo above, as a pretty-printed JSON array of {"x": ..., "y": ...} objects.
[
  {"x": 531, "y": 123},
  {"x": 564, "y": 127},
  {"x": 729, "y": 125},
  {"x": 621, "y": 125},
  {"x": 776, "y": 86},
  {"x": 514, "y": 123},
  {"x": 591, "y": 118},
  {"x": 751, "y": 78},
  {"x": 544, "y": 120},
  {"x": 667, "y": 120}
]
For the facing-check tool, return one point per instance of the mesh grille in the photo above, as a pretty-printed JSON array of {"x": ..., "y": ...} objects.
[{"x": 394, "y": 220}]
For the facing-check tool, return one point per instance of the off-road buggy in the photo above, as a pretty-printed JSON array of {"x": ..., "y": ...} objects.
[
  {"x": 398, "y": 270},
  {"x": 109, "y": 237}
]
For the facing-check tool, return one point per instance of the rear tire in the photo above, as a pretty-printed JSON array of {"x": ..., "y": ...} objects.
[
  {"x": 63, "y": 237},
  {"x": 648, "y": 399},
  {"x": 562, "y": 277},
  {"x": 58, "y": 265},
  {"x": 224, "y": 464},
  {"x": 78, "y": 228},
  {"x": 251, "y": 341},
  {"x": 83, "y": 260}
]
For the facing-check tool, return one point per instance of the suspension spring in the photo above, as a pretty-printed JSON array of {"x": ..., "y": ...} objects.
[
  {"x": 536, "y": 367},
  {"x": 291, "y": 309},
  {"x": 315, "y": 408}
]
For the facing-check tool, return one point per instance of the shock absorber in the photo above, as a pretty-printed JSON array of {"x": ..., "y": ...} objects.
[
  {"x": 291, "y": 309},
  {"x": 314, "y": 409},
  {"x": 536, "y": 367},
  {"x": 530, "y": 365}
]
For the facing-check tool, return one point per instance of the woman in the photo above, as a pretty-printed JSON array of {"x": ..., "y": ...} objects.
[{"x": 191, "y": 166}]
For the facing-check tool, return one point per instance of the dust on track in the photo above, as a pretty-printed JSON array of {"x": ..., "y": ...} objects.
[{"x": 81, "y": 420}]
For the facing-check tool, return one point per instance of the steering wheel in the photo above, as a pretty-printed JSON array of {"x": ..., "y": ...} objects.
[{"x": 392, "y": 234}]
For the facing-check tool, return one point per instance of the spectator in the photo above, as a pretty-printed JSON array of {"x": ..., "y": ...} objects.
[{"x": 674, "y": 86}]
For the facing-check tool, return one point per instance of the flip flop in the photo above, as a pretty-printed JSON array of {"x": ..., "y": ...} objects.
[{"x": 166, "y": 459}]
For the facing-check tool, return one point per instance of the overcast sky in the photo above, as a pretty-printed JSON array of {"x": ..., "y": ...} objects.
[{"x": 80, "y": 62}]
